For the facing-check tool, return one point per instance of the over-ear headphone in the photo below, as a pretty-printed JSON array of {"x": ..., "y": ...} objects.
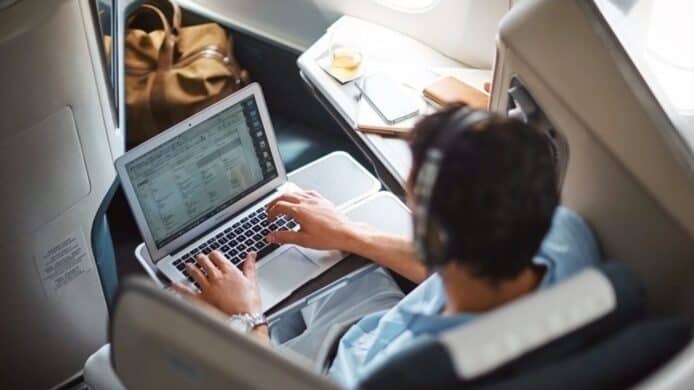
[{"x": 432, "y": 237}]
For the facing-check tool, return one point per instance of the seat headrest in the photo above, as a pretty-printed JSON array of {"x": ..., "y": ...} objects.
[
  {"x": 617, "y": 362},
  {"x": 547, "y": 325},
  {"x": 161, "y": 341}
]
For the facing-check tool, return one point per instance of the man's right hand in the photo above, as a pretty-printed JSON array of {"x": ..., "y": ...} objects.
[{"x": 322, "y": 225}]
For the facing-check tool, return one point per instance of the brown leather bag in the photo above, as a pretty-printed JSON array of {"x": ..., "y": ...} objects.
[{"x": 174, "y": 72}]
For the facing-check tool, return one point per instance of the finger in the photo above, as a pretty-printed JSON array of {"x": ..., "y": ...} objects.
[
  {"x": 289, "y": 209},
  {"x": 249, "y": 266},
  {"x": 197, "y": 275},
  {"x": 287, "y": 237},
  {"x": 291, "y": 197},
  {"x": 184, "y": 291},
  {"x": 210, "y": 269},
  {"x": 220, "y": 261},
  {"x": 314, "y": 194}
]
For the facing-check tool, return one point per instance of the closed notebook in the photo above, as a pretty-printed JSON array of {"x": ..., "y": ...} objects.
[
  {"x": 450, "y": 90},
  {"x": 369, "y": 121}
]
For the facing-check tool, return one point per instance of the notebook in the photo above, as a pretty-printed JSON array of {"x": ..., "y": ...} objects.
[{"x": 450, "y": 90}]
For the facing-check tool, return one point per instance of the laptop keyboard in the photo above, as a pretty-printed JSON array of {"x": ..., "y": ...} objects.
[{"x": 247, "y": 234}]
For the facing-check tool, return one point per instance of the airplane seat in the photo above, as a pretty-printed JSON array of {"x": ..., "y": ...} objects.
[
  {"x": 589, "y": 332},
  {"x": 58, "y": 138}
]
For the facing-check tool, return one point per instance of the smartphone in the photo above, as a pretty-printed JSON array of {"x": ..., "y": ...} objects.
[{"x": 390, "y": 99}]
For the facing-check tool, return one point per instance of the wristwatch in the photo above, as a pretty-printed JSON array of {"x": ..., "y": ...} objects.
[{"x": 246, "y": 322}]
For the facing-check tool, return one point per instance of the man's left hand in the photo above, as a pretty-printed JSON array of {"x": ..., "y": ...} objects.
[{"x": 223, "y": 285}]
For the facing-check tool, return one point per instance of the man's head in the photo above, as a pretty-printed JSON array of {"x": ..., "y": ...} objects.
[{"x": 495, "y": 191}]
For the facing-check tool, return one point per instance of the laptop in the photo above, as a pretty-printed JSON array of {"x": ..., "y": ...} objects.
[{"x": 204, "y": 184}]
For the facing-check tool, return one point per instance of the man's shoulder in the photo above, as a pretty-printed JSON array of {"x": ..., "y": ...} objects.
[
  {"x": 569, "y": 245},
  {"x": 428, "y": 296}
]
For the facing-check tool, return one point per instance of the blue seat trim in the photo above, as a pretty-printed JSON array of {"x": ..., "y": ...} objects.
[{"x": 103, "y": 250}]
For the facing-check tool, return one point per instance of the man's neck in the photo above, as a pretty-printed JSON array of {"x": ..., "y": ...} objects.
[{"x": 467, "y": 294}]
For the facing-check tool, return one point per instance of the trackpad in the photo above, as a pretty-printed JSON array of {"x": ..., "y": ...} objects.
[{"x": 284, "y": 273}]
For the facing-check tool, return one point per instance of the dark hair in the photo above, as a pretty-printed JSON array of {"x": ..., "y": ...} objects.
[{"x": 496, "y": 191}]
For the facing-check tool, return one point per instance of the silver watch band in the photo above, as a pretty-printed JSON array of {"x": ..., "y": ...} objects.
[
  {"x": 256, "y": 319},
  {"x": 250, "y": 320}
]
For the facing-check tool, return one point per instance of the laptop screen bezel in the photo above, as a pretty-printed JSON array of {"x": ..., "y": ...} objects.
[{"x": 158, "y": 253}]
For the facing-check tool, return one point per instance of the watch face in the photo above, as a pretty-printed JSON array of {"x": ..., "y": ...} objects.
[{"x": 239, "y": 324}]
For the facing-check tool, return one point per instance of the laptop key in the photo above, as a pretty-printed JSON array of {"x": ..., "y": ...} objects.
[
  {"x": 248, "y": 242},
  {"x": 266, "y": 251}
]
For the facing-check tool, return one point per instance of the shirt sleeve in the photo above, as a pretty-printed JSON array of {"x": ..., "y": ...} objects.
[{"x": 569, "y": 246}]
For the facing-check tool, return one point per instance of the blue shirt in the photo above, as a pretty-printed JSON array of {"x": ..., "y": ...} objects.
[{"x": 568, "y": 247}]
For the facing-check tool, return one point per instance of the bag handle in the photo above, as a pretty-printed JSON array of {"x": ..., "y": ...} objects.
[
  {"x": 176, "y": 10},
  {"x": 166, "y": 52},
  {"x": 147, "y": 8},
  {"x": 176, "y": 21}
]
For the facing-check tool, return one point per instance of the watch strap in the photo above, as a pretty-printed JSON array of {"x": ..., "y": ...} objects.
[
  {"x": 253, "y": 320},
  {"x": 256, "y": 319}
]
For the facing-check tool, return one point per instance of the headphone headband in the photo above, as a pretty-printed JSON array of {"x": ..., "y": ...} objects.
[{"x": 431, "y": 242}]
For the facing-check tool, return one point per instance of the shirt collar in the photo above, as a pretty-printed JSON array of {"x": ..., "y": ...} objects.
[{"x": 433, "y": 299}]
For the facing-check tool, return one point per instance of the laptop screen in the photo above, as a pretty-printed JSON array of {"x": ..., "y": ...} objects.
[{"x": 190, "y": 178}]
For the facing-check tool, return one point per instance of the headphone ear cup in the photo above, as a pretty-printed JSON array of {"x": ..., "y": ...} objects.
[
  {"x": 437, "y": 240},
  {"x": 426, "y": 179}
]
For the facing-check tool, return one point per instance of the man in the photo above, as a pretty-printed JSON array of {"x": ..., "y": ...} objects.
[{"x": 489, "y": 202}]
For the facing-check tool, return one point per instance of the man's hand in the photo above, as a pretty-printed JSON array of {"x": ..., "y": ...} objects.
[
  {"x": 322, "y": 225},
  {"x": 224, "y": 286}
]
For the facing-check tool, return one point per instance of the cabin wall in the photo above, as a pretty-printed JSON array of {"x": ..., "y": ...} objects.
[{"x": 622, "y": 175}]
